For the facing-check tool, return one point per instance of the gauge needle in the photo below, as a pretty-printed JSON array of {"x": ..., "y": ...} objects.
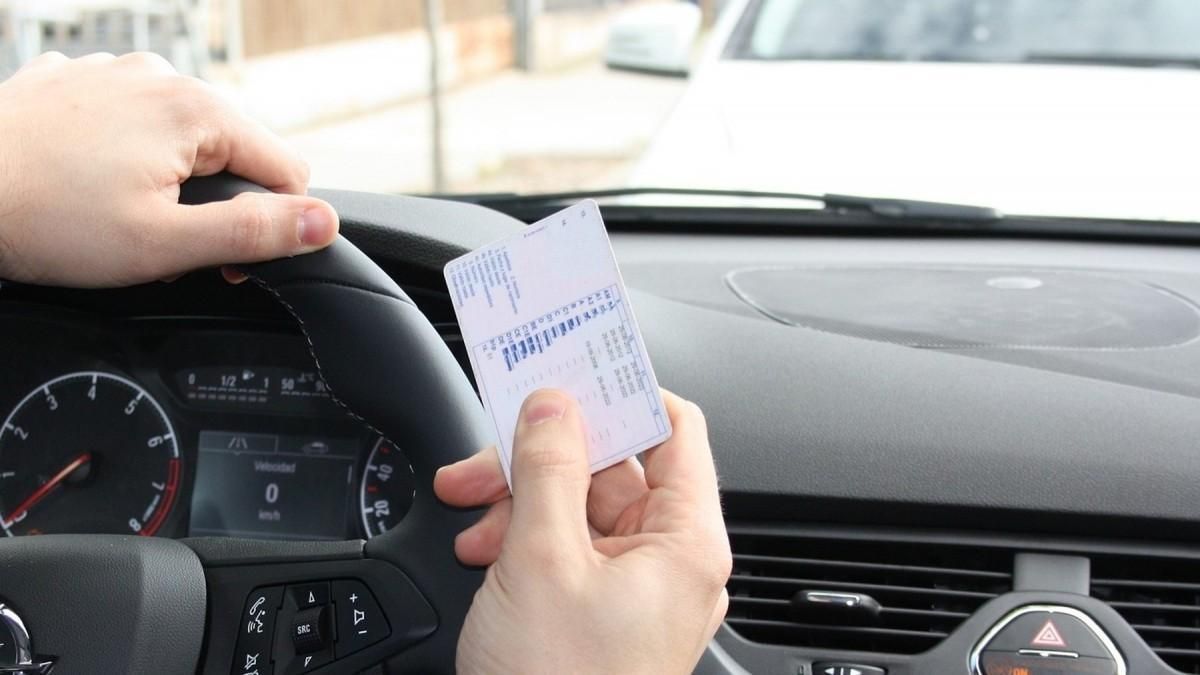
[{"x": 48, "y": 487}]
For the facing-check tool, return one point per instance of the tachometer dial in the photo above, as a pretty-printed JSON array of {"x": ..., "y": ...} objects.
[
  {"x": 87, "y": 452},
  {"x": 387, "y": 488}
]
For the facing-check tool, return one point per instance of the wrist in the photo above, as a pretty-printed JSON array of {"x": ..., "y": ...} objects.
[
  {"x": 8, "y": 208},
  {"x": 11, "y": 207}
]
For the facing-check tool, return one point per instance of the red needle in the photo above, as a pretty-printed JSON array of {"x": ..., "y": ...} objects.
[{"x": 45, "y": 488}]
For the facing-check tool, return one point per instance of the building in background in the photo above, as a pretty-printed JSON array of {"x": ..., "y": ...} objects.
[
  {"x": 359, "y": 54},
  {"x": 348, "y": 82},
  {"x": 176, "y": 29}
]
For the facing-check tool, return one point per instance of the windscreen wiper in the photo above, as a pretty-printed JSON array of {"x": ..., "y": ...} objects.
[
  {"x": 913, "y": 209},
  {"x": 1129, "y": 60},
  {"x": 899, "y": 210},
  {"x": 742, "y": 211}
]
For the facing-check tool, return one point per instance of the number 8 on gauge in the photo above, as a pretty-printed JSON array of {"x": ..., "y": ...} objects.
[{"x": 387, "y": 489}]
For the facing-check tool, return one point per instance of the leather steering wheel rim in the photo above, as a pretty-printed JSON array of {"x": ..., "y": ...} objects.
[{"x": 386, "y": 364}]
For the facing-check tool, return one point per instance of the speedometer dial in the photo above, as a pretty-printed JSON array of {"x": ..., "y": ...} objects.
[
  {"x": 387, "y": 488},
  {"x": 87, "y": 452}
]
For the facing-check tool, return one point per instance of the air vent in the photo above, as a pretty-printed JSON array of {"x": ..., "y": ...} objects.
[
  {"x": 1160, "y": 598},
  {"x": 925, "y": 589}
]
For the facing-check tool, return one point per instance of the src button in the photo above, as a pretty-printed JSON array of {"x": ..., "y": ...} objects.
[{"x": 309, "y": 630}]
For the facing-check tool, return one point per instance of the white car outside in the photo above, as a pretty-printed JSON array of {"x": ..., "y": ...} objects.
[{"x": 1049, "y": 139}]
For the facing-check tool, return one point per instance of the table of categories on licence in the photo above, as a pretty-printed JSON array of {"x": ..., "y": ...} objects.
[{"x": 530, "y": 322}]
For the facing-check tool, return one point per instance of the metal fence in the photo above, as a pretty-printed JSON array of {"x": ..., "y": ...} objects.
[
  {"x": 171, "y": 28},
  {"x": 180, "y": 30}
]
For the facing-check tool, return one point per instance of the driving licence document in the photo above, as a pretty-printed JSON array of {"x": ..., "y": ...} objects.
[{"x": 546, "y": 307}]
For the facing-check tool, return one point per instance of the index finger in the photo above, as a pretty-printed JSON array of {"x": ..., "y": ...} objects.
[
  {"x": 234, "y": 142},
  {"x": 684, "y": 462}
]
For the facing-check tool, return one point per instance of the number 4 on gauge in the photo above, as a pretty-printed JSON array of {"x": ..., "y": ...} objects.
[{"x": 386, "y": 490}]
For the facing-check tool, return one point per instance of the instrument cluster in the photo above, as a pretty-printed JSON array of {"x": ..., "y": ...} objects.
[{"x": 182, "y": 427}]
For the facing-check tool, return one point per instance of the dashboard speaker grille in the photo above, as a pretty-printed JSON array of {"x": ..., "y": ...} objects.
[
  {"x": 1160, "y": 598},
  {"x": 925, "y": 589}
]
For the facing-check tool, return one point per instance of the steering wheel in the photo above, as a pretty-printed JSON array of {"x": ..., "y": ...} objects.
[{"x": 123, "y": 604}]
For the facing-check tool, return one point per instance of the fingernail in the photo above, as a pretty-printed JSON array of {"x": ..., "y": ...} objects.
[
  {"x": 316, "y": 226},
  {"x": 542, "y": 407}
]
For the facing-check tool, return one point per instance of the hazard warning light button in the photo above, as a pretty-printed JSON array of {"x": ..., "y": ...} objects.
[
  {"x": 1048, "y": 632},
  {"x": 1046, "y": 640}
]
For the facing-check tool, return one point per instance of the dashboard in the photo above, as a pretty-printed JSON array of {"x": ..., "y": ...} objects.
[
  {"x": 183, "y": 427},
  {"x": 963, "y": 433}
]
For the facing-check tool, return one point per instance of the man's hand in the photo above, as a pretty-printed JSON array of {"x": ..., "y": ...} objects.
[
  {"x": 620, "y": 572},
  {"x": 92, "y": 153}
]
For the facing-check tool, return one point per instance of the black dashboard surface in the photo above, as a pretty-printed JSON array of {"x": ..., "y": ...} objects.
[
  {"x": 866, "y": 428},
  {"x": 825, "y": 426}
]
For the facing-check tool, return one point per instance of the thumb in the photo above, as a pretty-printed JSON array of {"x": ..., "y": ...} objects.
[
  {"x": 550, "y": 476},
  {"x": 251, "y": 227}
]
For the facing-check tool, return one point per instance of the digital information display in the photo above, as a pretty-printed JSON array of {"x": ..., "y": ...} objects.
[
  {"x": 261, "y": 388},
  {"x": 272, "y": 486}
]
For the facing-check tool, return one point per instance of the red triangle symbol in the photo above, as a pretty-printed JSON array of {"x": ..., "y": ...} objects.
[{"x": 1048, "y": 636}]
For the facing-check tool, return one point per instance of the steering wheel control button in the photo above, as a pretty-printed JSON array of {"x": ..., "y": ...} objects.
[
  {"x": 256, "y": 630},
  {"x": 303, "y": 663},
  {"x": 258, "y": 619},
  {"x": 1046, "y": 640},
  {"x": 310, "y": 595},
  {"x": 309, "y": 630},
  {"x": 846, "y": 669},
  {"x": 252, "y": 661},
  {"x": 360, "y": 621}
]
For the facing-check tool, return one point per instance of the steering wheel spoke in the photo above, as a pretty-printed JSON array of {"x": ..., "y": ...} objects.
[{"x": 283, "y": 607}]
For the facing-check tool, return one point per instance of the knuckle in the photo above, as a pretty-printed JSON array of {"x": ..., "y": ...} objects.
[
  {"x": 545, "y": 455},
  {"x": 249, "y": 231},
  {"x": 549, "y": 459},
  {"x": 189, "y": 98},
  {"x": 303, "y": 172},
  {"x": 148, "y": 60},
  {"x": 47, "y": 57},
  {"x": 97, "y": 57}
]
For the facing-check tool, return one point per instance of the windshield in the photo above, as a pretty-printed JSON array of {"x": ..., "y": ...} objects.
[
  {"x": 1083, "y": 108},
  {"x": 1147, "y": 32}
]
